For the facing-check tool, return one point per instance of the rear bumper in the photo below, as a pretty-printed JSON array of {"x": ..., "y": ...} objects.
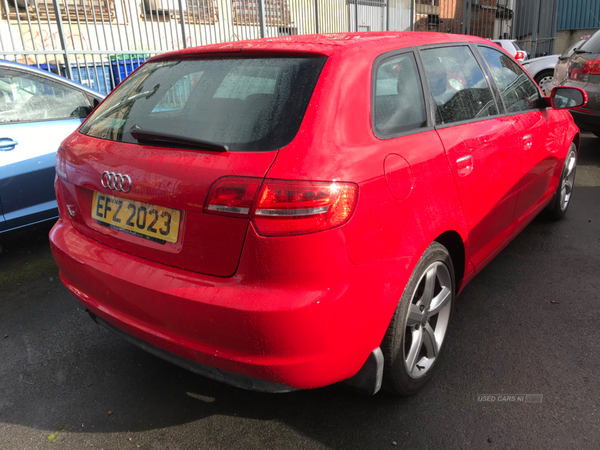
[
  {"x": 253, "y": 384},
  {"x": 305, "y": 325}
]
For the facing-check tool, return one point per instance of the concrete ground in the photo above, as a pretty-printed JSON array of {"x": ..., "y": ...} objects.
[{"x": 528, "y": 324}]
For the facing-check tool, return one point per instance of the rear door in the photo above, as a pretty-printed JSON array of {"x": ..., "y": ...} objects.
[
  {"x": 539, "y": 143},
  {"x": 481, "y": 145},
  {"x": 36, "y": 114}
]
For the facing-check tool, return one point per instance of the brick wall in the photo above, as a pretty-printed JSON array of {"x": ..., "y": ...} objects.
[{"x": 566, "y": 38}]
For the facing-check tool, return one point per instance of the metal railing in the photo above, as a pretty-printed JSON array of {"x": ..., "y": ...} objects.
[{"x": 99, "y": 42}]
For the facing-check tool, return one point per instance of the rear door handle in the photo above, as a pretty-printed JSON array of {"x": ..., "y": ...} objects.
[
  {"x": 527, "y": 142},
  {"x": 464, "y": 165},
  {"x": 7, "y": 144}
]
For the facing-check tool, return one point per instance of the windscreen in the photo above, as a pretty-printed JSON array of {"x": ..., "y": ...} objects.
[
  {"x": 592, "y": 44},
  {"x": 247, "y": 104}
]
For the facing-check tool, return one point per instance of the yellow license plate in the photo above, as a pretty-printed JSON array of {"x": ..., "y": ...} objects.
[{"x": 152, "y": 222}]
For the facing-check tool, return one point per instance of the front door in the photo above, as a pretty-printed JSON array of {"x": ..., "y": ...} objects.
[
  {"x": 539, "y": 141},
  {"x": 36, "y": 114}
]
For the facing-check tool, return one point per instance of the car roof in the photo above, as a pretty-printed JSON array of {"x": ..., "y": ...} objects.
[
  {"x": 36, "y": 71},
  {"x": 324, "y": 44}
]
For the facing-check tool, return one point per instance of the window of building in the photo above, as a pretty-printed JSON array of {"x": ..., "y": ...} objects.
[
  {"x": 99, "y": 10},
  {"x": 246, "y": 12},
  {"x": 200, "y": 12}
]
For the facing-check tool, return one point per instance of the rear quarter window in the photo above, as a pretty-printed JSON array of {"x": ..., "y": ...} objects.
[{"x": 399, "y": 104}]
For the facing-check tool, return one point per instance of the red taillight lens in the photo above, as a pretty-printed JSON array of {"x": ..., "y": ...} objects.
[
  {"x": 288, "y": 208},
  {"x": 60, "y": 164},
  {"x": 520, "y": 56},
  {"x": 232, "y": 196},
  {"x": 591, "y": 67}
]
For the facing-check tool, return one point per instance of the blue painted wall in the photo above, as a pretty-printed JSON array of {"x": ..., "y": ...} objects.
[{"x": 578, "y": 14}]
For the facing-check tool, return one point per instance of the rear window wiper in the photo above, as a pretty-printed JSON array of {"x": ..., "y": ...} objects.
[
  {"x": 133, "y": 98},
  {"x": 157, "y": 137},
  {"x": 580, "y": 51}
]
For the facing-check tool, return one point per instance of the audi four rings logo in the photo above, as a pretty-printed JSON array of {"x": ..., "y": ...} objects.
[{"x": 116, "y": 181}]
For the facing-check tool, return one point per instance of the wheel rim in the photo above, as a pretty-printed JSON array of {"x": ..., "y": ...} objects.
[
  {"x": 544, "y": 82},
  {"x": 568, "y": 179},
  {"x": 427, "y": 319}
]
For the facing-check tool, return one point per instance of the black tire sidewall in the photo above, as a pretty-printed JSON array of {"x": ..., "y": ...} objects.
[
  {"x": 543, "y": 74},
  {"x": 396, "y": 379},
  {"x": 555, "y": 212}
]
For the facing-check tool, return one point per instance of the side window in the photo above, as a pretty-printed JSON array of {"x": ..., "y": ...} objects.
[
  {"x": 399, "y": 105},
  {"x": 26, "y": 97},
  {"x": 519, "y": 92},
  {"x": 457, "y": 84}
]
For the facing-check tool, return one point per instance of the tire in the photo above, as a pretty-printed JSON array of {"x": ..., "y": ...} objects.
[
  {"x": 543, "y": 78},
  {"x": 557, "y": 208},
  {"x": 413, "y": 342}
]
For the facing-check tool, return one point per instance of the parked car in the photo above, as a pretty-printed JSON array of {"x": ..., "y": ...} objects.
[
  {"x": 582, "y": 69},
  {"x": 37, "y": 111},
  {"x": 289, "y": 213},
  {"x": 542, "y": 68},
  {"x": 513, "y": 47}
]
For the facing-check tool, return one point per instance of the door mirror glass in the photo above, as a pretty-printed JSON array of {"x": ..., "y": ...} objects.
[{"x": 568, "y": 98}]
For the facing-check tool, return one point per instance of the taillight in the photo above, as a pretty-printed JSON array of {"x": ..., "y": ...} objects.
[
  {"x": 591, "y": 67},
  {"x": 286, "y": 208},
  {"x": 283, "y": 207},
  {"x": 232, "y": 196},
  {"x": 60, "y": 164},
  {"x": 520, "y": 56}
]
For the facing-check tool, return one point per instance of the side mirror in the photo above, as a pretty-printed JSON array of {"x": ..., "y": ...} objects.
[{"x": 568, "y": 98}]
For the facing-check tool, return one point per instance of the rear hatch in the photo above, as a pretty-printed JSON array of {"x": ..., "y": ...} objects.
[
  {"x": 584, "y": 66},
  {"x": 560, "y": 70},
  {"x": 138, "y": 173}
]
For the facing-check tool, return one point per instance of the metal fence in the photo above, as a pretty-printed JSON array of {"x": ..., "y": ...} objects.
[{"x": 99, "y": 42}]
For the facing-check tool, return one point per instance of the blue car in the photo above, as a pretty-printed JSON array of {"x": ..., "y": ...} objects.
[{"x": 37, "y": 111}]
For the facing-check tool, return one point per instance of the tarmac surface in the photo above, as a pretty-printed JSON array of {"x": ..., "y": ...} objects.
[{"x": 527, "y": 324}]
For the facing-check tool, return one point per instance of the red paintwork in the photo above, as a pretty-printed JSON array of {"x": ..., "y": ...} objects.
[{"x": 304, "y": 311}]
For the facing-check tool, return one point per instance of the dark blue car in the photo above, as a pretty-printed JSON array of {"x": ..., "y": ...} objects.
[{"x": 37, "y": 111}]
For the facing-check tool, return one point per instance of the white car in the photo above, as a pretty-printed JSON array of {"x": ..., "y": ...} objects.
[{"x": 512, "y": 47}]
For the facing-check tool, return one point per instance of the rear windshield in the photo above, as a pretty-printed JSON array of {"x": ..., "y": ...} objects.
[
  {"x": 592, "y": 44},
  {"x": 248, "y": 104},
  {"x": 572, "y": 48}
]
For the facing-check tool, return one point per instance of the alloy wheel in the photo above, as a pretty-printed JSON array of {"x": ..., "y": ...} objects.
[
  {"x": 568, "y": 180},
  {"x": 427, "y": 319}
]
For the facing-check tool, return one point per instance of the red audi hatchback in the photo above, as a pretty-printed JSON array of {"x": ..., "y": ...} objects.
[{"x": 289, "y": 213}]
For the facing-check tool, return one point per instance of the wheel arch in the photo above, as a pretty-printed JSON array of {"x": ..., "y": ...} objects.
[
  {"x": 577, "y": 141},
  {"x": 455, "y": 245}
]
